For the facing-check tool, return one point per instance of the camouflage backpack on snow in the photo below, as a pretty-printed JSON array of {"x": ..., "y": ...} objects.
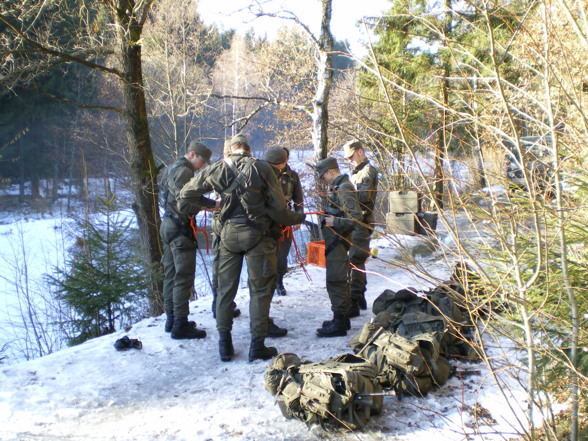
[
  {"x": 408, "y": 364},
  {"x": 328, "y": 393},
  {"x": 437, "y": 310}
]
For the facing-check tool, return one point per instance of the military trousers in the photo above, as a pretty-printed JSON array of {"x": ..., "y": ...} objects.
[
  {"x": 358, "y": 254},
  {"x": 242, "y": 241},
  {"x": 337, "y": 262},
  {"x": 179, "y": 268}
]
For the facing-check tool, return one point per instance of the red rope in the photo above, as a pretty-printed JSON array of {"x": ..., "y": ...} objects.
[
  {"x": 299, "y": 258},
  {"x": 196, "y": 229}
]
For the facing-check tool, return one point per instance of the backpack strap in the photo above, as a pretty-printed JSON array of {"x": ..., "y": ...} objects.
[{"x": 229, "y": 195}]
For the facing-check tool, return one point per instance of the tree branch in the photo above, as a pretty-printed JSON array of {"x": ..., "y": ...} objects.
[
  {"x": 145, "y": 13},
  {"x": 73, "y": 103},
  {"x": 65, "y": 57},
  {"x": 288, "y": 15},
  {"x": 247, "y": 118},
  {"x": 265, "y": 99}
]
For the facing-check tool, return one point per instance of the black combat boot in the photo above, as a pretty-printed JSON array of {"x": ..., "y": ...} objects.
[
  {"x": 185, "y": 330},
  {"x": 353, "y": 308},
  {"x": 225, "y": 345},
  {"x": 280, "y": 290},
  {"x": 362, "y": 303},
  {"x": 258, "y": 350},
  {"x": 334, "y": 328},
  {"x": 347, "y": 322},
  {"x": 274, "y": 331},
  {"x": 169, "y": 322}
]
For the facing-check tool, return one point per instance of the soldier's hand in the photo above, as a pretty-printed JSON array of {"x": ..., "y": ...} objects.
[{"x": 330, "y": 220}]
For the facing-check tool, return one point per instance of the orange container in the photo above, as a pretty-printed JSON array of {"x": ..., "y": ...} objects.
[{"x": 316, "y": 253}]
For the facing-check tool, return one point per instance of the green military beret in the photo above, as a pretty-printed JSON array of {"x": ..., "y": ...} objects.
[
  {"x": 325, "y": 165},
  {"x": 276, "y": 155},
  {"x": 350, "y": 147},
  {"x": 201, "y": 150}
]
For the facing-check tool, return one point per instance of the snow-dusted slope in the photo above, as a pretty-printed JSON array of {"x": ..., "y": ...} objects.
[{"x": 180, "y": 390}]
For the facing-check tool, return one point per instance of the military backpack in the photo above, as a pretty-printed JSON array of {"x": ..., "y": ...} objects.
[{"x": 336, "y": 394}]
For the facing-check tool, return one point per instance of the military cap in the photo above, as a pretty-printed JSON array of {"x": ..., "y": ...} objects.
[
  {"x": 276, "y": 155},
  {"x": 325, "y": 165},
  {"x": 201, "y": 150},
  {"x": 239, "y": 139},
  {"x": 350, "y": 147}
]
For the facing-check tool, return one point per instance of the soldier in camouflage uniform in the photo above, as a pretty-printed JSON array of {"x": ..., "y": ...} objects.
[
  {"x": 252, "y": 205},
  {"x": 290, "y": 182},
  {"x": 179, "y": 244},
  {"x": 215, "y": 243},
  {"x": 341, "y": 214},
  {"x": 364, "y": 177}
]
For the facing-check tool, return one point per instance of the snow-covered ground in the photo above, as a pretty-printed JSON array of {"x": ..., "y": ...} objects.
[{"x": 180, "y": 390}]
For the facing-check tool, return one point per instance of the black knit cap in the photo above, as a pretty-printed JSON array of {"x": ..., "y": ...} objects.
[{"x": 275, "y": 155}]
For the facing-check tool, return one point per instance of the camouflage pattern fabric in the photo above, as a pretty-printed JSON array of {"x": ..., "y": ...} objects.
[{"x": 329, "y": 393}]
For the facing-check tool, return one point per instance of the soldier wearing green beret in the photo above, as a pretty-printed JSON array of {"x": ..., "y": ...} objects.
[
  {"x": 179, "y": 244},
  {"x": 364, "y": 177},
  {"x": 341, "y": 214}
]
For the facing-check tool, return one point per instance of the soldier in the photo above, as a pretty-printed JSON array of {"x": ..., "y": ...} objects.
[
  {"x": 252, "y": 205},
  {"x": 179, "y": 244},
  {"x": 216, "y": 227},
  {"x": 341, "y": 213},
  {"x": 290, "y": 182},
  {"x": 364, "y": 177}
]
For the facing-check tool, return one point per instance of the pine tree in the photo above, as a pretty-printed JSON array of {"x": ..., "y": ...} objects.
[{"x": 105, "y": 283}]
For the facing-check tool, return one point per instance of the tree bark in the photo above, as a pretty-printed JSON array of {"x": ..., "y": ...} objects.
[
  {"x": 442, "y": 140},
  {"x": 142, "y": 162},
  {"x": 320, "y": 103}
]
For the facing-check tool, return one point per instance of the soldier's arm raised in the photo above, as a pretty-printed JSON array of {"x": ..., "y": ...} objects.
[{"x": 191, "y": 198}]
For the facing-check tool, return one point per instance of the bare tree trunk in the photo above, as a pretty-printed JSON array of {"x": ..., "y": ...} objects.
[
  {"x": 144, "y": 170},
  {"x": 561, "y": 214},
  {"x": 442, "y": 140},
  {"x": 320, "y": 104}
]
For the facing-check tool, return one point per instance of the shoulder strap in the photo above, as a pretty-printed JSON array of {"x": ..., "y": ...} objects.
[
  {"x": 229, "y": 195},
  {"x": 240, "y": 175}
]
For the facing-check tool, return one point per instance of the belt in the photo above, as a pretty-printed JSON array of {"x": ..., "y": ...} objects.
[{"x": 238, "y": 220}]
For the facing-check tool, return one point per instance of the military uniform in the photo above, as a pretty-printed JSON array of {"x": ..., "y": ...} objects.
[
  {"x": 179, "y": 243},
  {"x": 249, "y": 216},
  {"x": 292, "y": 189},
  {"x": 365, "y": 179},
  {"x": 343, "y": 205}
]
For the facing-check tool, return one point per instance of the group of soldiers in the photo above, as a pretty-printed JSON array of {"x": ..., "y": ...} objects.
[{"x": 258, "y": 205}]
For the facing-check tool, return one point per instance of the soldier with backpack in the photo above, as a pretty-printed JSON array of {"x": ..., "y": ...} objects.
[
  {"x": 341, "y": 213},
  {"x": 179, "y": 244},
  {"x": 251, "y": 208}
]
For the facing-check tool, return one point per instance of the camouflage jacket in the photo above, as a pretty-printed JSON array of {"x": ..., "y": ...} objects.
[
  {"x": 365, "y": 178},
  {"x": 342, "y": 204}
]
